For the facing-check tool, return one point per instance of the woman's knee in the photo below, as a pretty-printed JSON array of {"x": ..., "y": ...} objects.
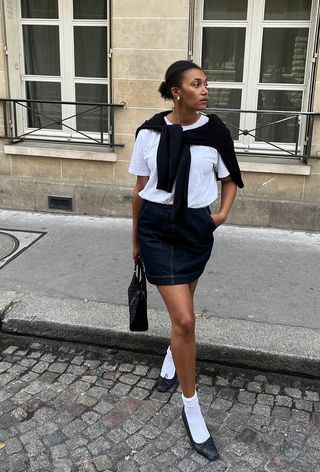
[{"x": 184, "y": 326}]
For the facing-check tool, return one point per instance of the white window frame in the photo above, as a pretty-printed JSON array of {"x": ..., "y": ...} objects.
[
  {"x": 67, "y": 79},
  {"x": 255, "y": 25}
]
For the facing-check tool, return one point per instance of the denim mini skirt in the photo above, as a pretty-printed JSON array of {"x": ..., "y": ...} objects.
[{"x": 174, "y": 252}]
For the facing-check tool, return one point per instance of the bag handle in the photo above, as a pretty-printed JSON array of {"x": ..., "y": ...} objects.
[{"x": 139, "y": 272}]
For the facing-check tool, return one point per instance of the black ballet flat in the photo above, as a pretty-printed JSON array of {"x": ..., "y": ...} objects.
[
  {"x": 207, "y": 449},
  {"x": 163, "y": 384}
]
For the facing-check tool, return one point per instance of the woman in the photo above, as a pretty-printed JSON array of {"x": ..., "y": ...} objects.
[{"x": 177, "y": 158}]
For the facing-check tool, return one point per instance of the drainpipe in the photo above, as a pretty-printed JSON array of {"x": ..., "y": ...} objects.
[{"x": 191, "y": 29}]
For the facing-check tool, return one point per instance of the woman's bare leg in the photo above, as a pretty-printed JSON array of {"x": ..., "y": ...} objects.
[
  {"x": 179, "y": 302},
  {"x": 192, "y": 288},
  {"x": 168, "y": 369}
]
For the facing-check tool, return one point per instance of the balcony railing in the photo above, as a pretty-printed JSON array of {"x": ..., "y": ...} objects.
[
  {"x": 46, "y": 120},
  {"x": 276, "y": 133}
]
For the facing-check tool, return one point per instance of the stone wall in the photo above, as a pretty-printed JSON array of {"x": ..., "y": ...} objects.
[
  {"x": 146, "y": 37},
  {"x": 5, "y": 164}
]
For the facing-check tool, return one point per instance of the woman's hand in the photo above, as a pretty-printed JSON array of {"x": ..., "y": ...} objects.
[
  {"x": 136, "y": 252},
  {"x": 218, "y": 218},
  {"x": 228, "y": 193}
]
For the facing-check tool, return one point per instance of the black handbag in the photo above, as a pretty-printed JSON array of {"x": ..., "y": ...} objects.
[{"x": 137, "y": 297}]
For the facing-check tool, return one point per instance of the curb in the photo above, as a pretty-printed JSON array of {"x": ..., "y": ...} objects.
[{"x": 236, "y": 342}]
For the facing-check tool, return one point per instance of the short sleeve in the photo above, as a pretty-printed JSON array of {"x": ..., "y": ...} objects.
[
  {"x": 138, "y": 165},
  {"x": 220, "y": 168}
]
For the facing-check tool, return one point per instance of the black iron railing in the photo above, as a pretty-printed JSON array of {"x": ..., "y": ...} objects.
[
  {"x": 284, "y": 133},
  {"x": 34, "y": 116}
]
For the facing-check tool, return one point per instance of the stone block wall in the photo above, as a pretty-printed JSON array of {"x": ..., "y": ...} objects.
[
  {"x": 5, "y": 164},
  {"x": 147, "y": 36}
]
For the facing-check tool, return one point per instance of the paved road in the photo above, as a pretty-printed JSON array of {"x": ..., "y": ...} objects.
[
  {"x": 254, "y": 273},
  {"x": 70, "y": 408}
]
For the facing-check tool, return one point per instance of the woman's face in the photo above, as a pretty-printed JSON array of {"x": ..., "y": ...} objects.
[{"x": 193, "y": 90}]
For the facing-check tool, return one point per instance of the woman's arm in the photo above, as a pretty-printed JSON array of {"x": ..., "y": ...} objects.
[
  {"x": 136, "y": 207},
  {"x": 228, "y": 194}
]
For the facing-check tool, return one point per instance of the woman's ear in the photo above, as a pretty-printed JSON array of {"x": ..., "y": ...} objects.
[{"x": 175, "y": 92}]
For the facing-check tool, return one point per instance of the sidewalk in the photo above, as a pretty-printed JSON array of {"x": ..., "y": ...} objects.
[{"x": 257, "y": 303}]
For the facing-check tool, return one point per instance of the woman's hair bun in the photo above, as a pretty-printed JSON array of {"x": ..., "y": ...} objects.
[{"x": 165, "y": 91}]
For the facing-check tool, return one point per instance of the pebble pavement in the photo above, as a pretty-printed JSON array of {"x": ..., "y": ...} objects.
[{"x": 68, "y": 407}]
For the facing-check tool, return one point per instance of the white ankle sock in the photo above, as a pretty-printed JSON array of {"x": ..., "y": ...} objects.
[
  {"x": 197, "y": 425},
  {"x": 168, "y": 369}
]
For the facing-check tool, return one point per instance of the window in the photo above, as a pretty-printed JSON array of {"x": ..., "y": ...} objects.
[
  {"x": 257, "y": 54},
  {"x": 65, "y": 49}
]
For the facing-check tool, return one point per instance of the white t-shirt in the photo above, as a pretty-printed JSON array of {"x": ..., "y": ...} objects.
[{"x": 205, "y": 163}]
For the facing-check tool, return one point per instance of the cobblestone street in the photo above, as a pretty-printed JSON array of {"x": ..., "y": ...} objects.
[{"x": 68, "y": 407}]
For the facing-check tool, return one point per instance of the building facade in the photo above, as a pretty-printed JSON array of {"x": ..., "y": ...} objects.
[{"x": 62, "y": 61}]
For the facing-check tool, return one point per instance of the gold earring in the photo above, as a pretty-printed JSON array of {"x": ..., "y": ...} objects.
[{"x": 178, "y": 97}]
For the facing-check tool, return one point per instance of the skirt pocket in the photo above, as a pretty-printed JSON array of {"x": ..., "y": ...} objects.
[
  {"x": 143, "y": 208},
  {"x": 212, "y": 223}
]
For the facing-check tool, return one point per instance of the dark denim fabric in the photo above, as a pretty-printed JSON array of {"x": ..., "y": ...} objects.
[{"x": 174, "y": 252}]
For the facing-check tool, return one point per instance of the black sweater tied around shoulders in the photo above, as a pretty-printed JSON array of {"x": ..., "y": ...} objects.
[{"x": 174, "y": 158}]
